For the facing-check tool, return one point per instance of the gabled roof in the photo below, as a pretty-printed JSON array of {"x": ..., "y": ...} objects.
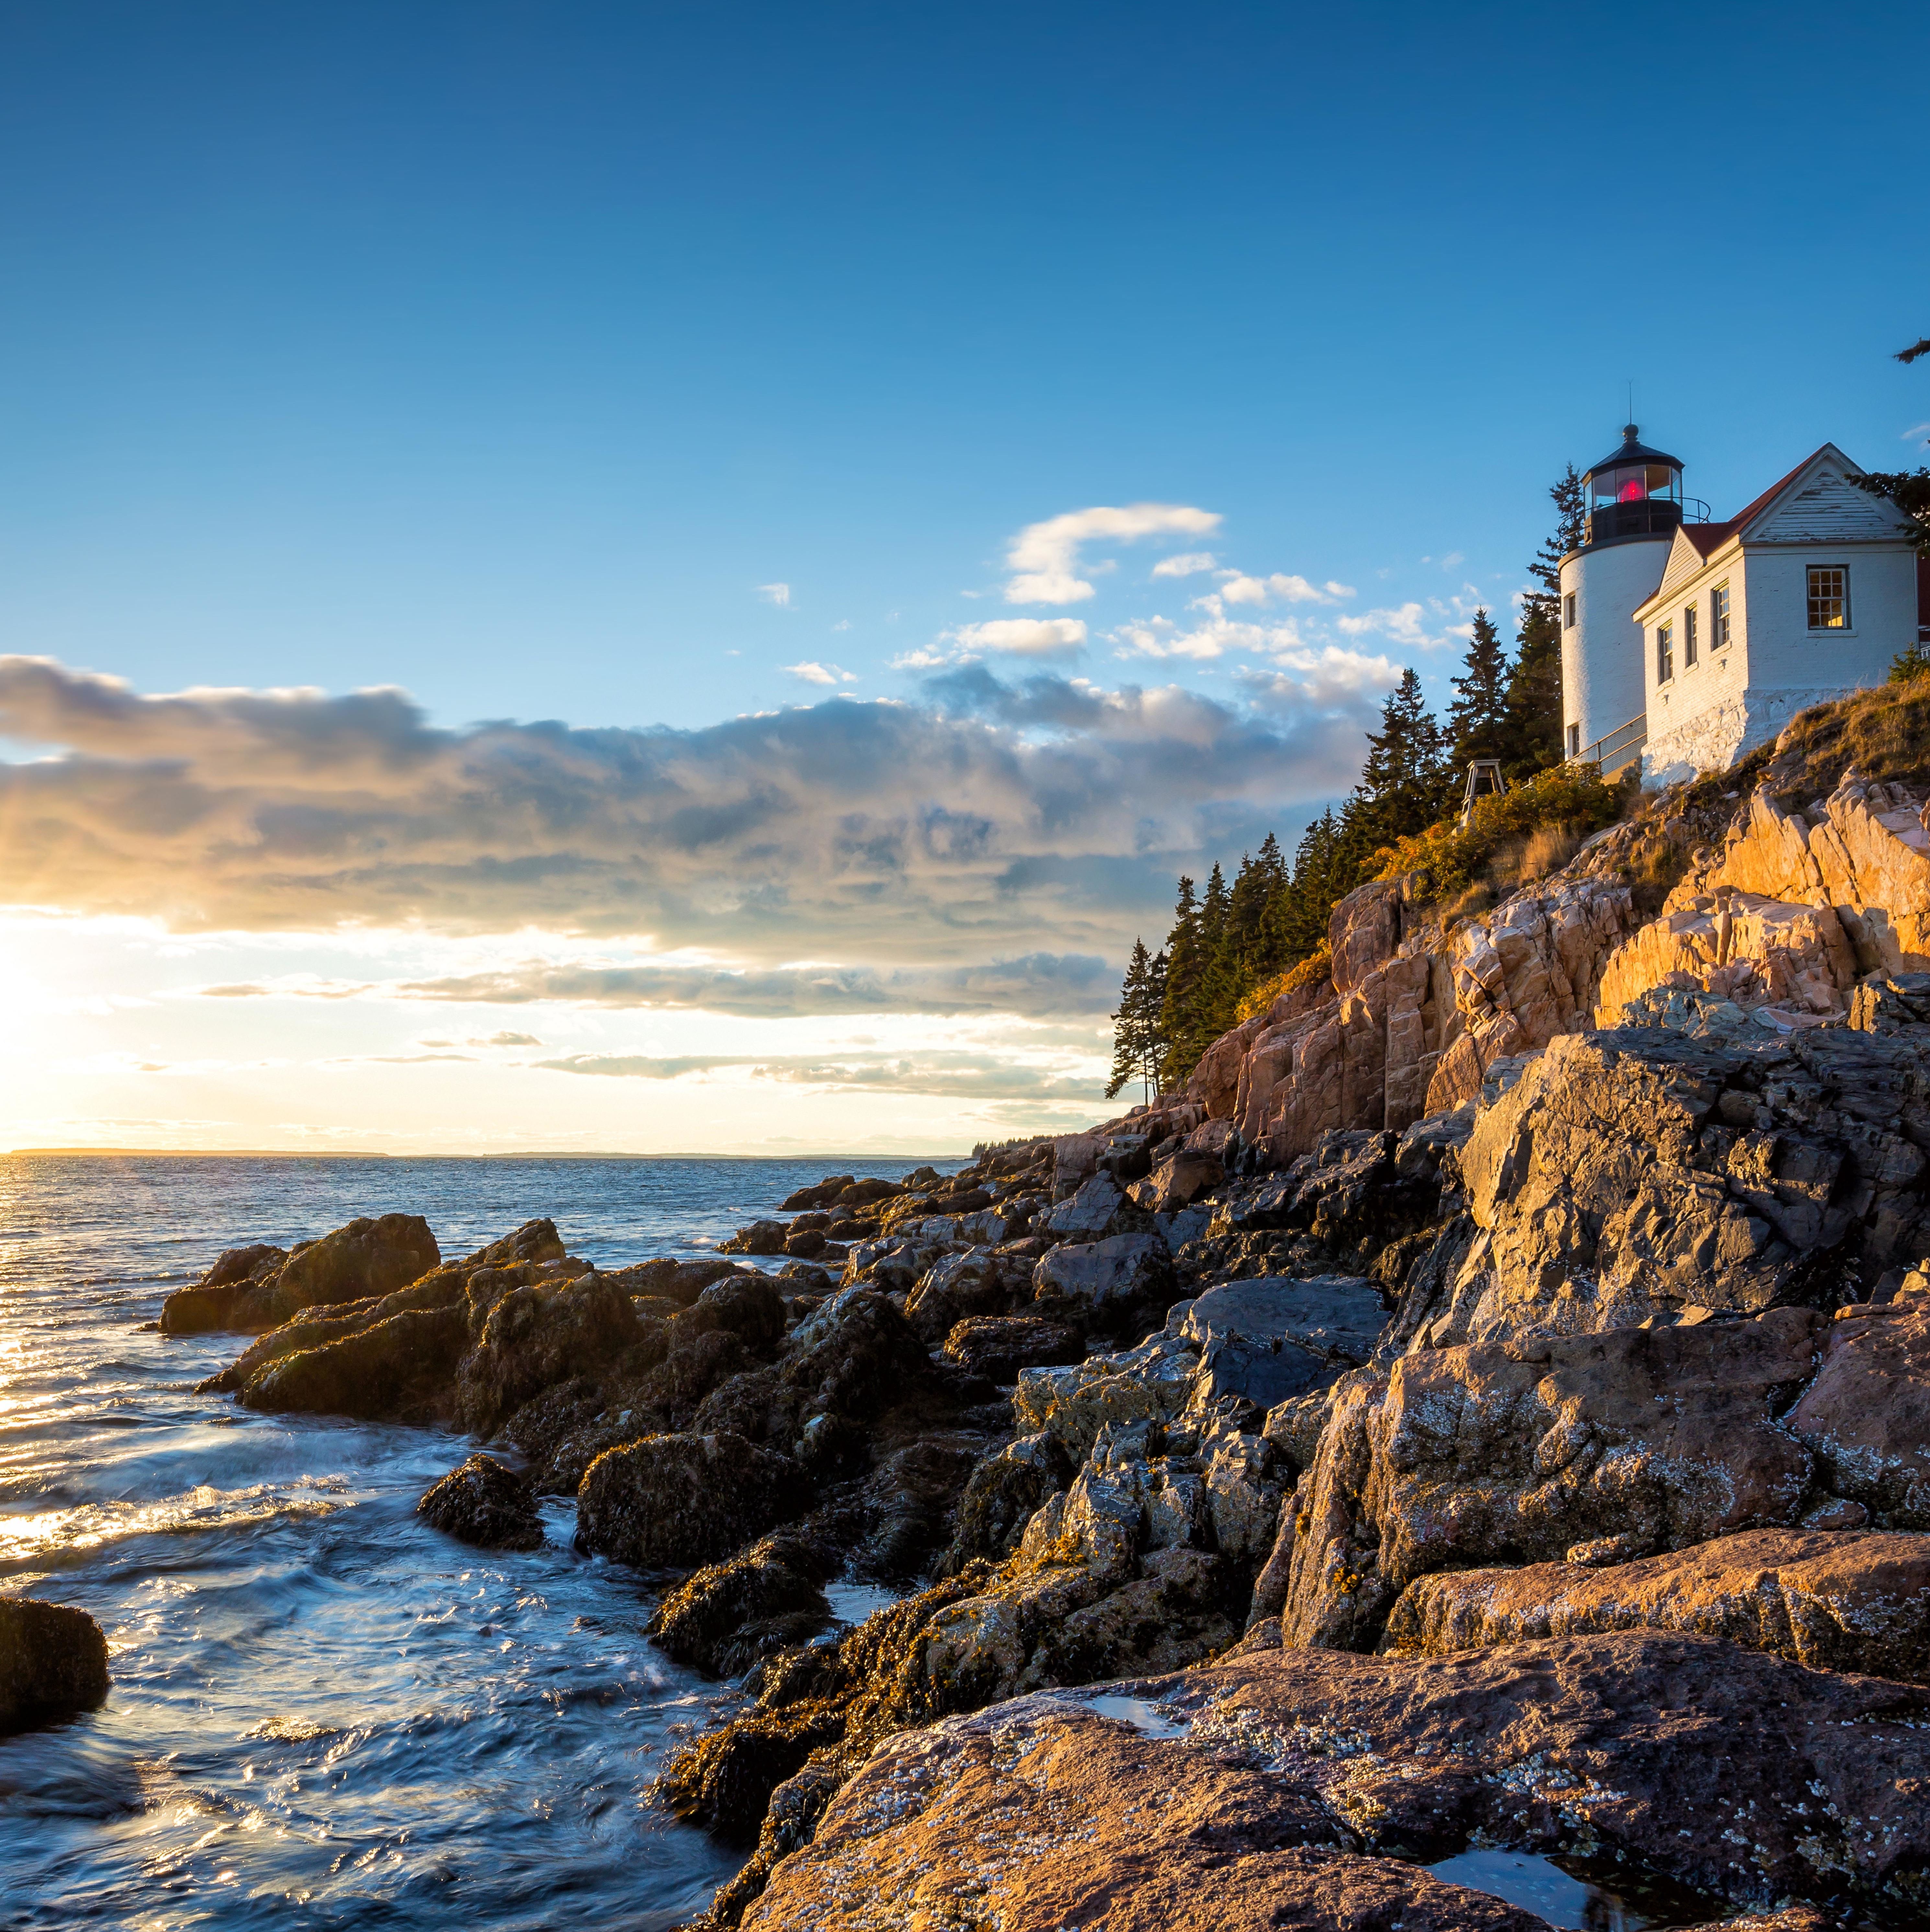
[{"x": 1748, "y": 515}]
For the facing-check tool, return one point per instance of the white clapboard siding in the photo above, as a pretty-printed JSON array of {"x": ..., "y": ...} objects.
[{"x": 1825, "y": 508}]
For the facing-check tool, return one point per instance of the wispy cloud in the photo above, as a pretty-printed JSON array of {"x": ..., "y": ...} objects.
[
  {"x": 1003, "y": 637},
  {"x": 1044, "y": 558},
  {"x": 1281, "y": 587},
  {"x": 779, "y": 594},
  {"x": 811, "y": 672},
  {"x": 1189, "y": 563},
  {"x": 953, "y": 1076}
]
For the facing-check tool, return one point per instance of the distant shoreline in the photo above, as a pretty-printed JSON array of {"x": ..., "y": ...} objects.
[{"x": 352, "y": 1154}]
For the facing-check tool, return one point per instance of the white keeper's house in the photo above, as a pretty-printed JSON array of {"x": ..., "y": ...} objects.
[{"x": 1687, "y": 643}]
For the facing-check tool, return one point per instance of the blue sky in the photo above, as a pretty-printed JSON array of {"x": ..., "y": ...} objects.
[{"x": 510, "y": 354}]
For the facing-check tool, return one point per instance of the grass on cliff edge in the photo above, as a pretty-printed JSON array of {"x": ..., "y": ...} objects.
[
  {"x": 1884, "y": 733},
  {"x": 1521, "y": 831}
]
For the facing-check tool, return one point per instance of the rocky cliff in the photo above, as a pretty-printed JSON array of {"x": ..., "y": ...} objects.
[{"x": 1489, "y": 1407}]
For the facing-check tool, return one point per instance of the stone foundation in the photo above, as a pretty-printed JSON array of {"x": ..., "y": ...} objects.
[{"x": 1713, "y": 740}]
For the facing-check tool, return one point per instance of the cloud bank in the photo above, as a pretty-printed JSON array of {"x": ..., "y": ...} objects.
[{"x": 988, "y": 821}]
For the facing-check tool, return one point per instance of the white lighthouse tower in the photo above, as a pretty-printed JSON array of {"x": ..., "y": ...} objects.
[{"x": 1633, "y": 505}]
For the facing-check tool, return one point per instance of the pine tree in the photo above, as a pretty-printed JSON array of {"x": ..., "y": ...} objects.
[
  {"x": 1478, "y": 720},
  {"x": 1185, "y": 969},
  {"x": 1405, "y": 781},
  {"x": 1534, "y": 686},
  {"x": 1220, "y": 988},
  {"x": 1129, "y": 1020}
]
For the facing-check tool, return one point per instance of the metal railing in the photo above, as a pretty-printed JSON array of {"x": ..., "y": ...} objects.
[{"x": 1619, "y": 750}]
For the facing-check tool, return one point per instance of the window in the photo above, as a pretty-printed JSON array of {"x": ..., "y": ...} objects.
[
  {"x": 1829, "y": 598},
  {"x": 1689, "y": 614},
  {"x": 1718, "y": 616},
  {"x": 1665, "y": 653},
  {"x": 1574, "y": 741},
  {"x": 1568, "y": 612}
]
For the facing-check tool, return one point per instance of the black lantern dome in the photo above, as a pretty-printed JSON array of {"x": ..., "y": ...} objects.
[{"x": 1635, "y": 491}]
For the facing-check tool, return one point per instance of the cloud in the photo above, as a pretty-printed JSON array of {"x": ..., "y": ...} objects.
[
  {"x": 1403, "y": 624},
  {"x": 1038, "y": 986},
  {"x": 950, "y": 1075},
  {"x": 1189, "y": 563},
  {"x": 843, "y": 624},
  {"x": 779, "y": 594},
  {"x": 987, "y": 820},
  {"x": 1044, "y": 557},
  {"x": 1239, "y": 588},
  {"x": 1006, "y": 636},
  {"x": 818, "y": 674}
]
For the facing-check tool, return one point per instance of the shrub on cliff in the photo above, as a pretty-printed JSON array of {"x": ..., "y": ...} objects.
[
  {"x": 1309, "y": 971},
  {"x": 1569, "y": 798}
]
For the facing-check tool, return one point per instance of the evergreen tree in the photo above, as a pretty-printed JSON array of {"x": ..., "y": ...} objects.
[
  {"x": 1185, "y": 970},
  {"x": 1534, "y": 686},
  {"x": 1405, "y": 782},
  {"x": 1134, "y": 1024},
  {"x": 1478, "y": 720},
  {"x": 1220, "y": 989}
]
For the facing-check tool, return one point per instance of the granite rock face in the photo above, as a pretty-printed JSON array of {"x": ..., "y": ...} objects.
[
  {"x": 1266, "y": 1789},
  {"x": 1863, "y": 851},
  {"x": 1640, "y": 1174},
  {"x": 53, "y": 1661},
  {"x": 1625, "y": 1444},
  {"x": 1866, "y": 1417},
  {"x": 1830, "y": 1600}
]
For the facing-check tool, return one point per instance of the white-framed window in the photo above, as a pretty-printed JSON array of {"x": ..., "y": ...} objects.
[
  {"x": 1829, "y": 597},
  {"x": 1689, "y": 614},
  {"x": 1574, "y": 741},
  {"x": 1665, "y": 653},
  {"x": 1568, "y": 611},
  {"x": 1718, "y": 616}
]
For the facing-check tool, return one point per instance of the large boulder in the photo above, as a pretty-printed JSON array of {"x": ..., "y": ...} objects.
[
  {"x": 398, "y": 1367},
  {"x": 485, "y": 1502},
  {"x": 670, "y": 1501},
  {"x": 53, "y": 1660},
  {"x": 1614, "y": 1445},
  {"x": 1119, "y": 1285},
  {"x": 1832, "y": 1600},
  {"x": 728, "y": 1614},
  {"x": 1000, "y": 1347},
  {"x": 975, "y": 1283},
  {"x": 1633, "y": 1175},
  {"x": 1271, "y": 1788},
  {"x": 210, "y": 1303},
  {"x": 1096, "y": 1211},
  {"x": 542, "y": 1332},
  {"x": 368, "y": 1257}
]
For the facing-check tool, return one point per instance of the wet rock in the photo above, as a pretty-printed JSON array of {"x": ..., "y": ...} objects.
[
  {"x": 999, "y": 1346},
  {"x": 486, "y": 1502},
  {"x": 366, "y": 1258},
  {"x": 398, "y": 1367},
  {"x": 668, "y": 1501},
  {"x": 976, "y": 1283},
  {"x": 760, "y": 1237},
  {"x": 1177, "y": 1182},
  {"x": 1295, "y": 1772},
  {"x": 669, "y": 1279},
  {"x": 1003, "y": 1495},
  {"x": 1121, "y": 1284},
  {"x": 1459, "y": 1458},
  {"x": 210, "y": 1303},
  {"x": 762, "y": 1600},
  {"x": 1830, "y": 1600},
  {"x": 538, "y": 1332},
  {"x": 1866, "y": 1417},
  {"x": 53, "y": 1660},
  {"x": 1273, "y": 1337}
]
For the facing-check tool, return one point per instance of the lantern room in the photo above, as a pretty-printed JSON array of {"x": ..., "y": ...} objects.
[{"x": 1636, "y": 492}]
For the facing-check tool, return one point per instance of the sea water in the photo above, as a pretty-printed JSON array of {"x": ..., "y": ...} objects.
[{"x": 324, "y": 1713}]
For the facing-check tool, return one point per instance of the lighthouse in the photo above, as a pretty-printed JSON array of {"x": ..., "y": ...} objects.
[{"x": 1632, "y": 506}]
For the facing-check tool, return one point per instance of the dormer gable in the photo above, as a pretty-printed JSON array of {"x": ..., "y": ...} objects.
[
  {"x": 1694, "y": 544},
  {"x": 1817, "y": 503}
]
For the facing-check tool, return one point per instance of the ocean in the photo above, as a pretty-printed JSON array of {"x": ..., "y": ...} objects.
[{"x": 324, "y": 1714}]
